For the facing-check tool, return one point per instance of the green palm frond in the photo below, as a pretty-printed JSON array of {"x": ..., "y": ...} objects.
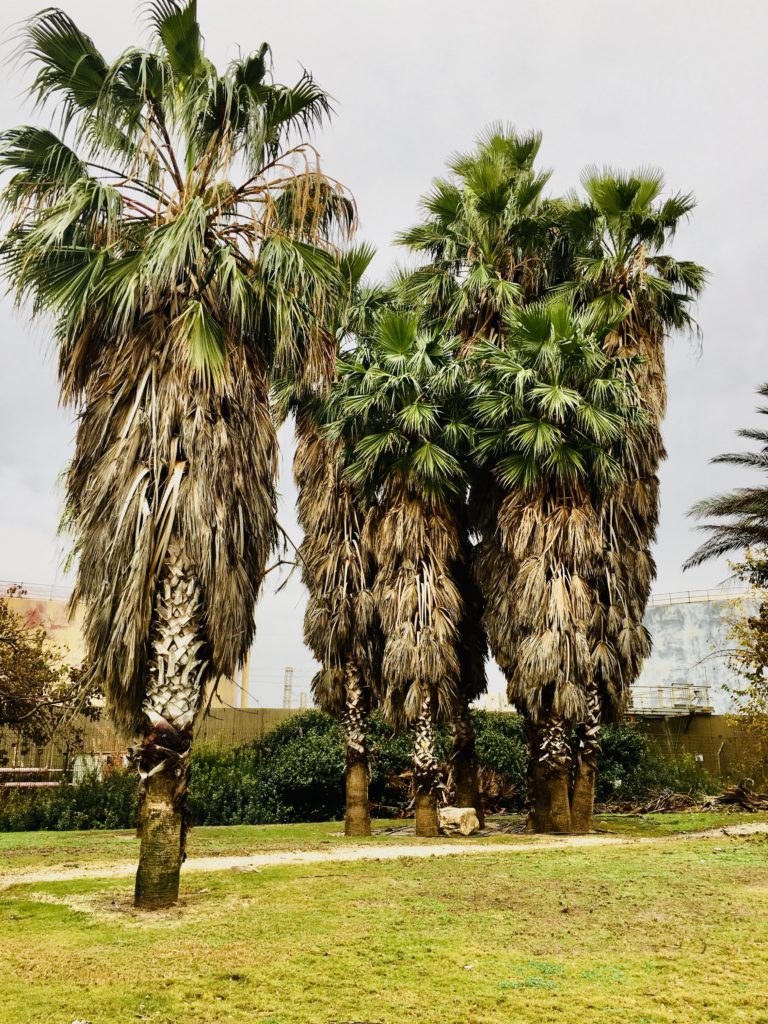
[
  {"x": 175, "y": 227},
  {"x": 551, "y": 405},
  {"x": 487, "y": 234},
  {"x": 741, "y": 515}
]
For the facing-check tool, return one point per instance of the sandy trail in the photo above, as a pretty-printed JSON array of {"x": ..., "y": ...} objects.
[{"x": 373, "y": 852}]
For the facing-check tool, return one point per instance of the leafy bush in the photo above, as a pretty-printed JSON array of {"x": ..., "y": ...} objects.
[
  {"x": 93, "y": 802},
  {"x": 501, "y": 744},
  {"x": 632, "y": 767},
  {"x": 296, "y": 773}
]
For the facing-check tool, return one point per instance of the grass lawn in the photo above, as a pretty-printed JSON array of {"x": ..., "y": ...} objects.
[
  {"x": 652, "y": 934},
  {"x": 21, "y": 851}
]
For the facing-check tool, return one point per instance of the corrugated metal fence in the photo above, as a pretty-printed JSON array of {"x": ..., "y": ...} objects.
[
  {"x": 222, "y": 727},
  {"x": 722, "y": 745}
]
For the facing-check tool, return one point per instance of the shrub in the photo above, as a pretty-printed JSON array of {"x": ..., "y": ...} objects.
[
  {"x": 296, "y": 773},
  {"x": 632, "y": 767},
  {"x": 93, "y": 802}
]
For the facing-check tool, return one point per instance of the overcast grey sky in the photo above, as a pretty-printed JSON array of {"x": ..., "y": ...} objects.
[{"x": 675, "y": 84}]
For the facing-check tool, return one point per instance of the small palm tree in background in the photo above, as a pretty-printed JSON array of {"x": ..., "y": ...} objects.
[
  {"x": 617, "y": 241},
  {"x": 172, "y": 290},
  {"x": 557, "y": 426},
  {"x": 337, "y": 568},
  {"x": 398, "y": 409},
  {"x": 742, "y": 513}
]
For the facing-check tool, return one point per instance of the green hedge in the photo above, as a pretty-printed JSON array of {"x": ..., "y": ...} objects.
[
  {"x": 93, "y": 802},
  {"x": 632, "y": 767},
  {"x": 296, "y": 773}
]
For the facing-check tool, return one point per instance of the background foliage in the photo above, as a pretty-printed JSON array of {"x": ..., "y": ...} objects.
[{"x": 296, "y": 773}]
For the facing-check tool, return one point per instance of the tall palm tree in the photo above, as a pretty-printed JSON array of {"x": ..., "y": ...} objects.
[
  {"x": 741, "y": 515},
  {"x": 398, "y": 409},
  {"x": 172, "y": 290},
  {"x": 487, "y": 242},
  {"x": 558, "y": 428},
  {"x": 618, "y": 238},
  {"x": 339, "y": 624},
  {"x": 489, "y": 239}
]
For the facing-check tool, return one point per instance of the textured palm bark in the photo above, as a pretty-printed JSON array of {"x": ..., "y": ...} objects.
[
  {"x": 357, "y": 816},
  {"x": 162, "y": 841},
  {"x": 425, "y": 770},
  {"x": 427, "y": 822},
  {"x": 585, "y": 769},
  {"x": 464, "y": 763},
  {"x": 555, "y": 760},
  {"x": 173, "y": 697},
  {"x": 538, "y": 817}
]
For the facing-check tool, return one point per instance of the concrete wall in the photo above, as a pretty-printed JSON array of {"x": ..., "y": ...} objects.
[{"x": 723, "y": 745}]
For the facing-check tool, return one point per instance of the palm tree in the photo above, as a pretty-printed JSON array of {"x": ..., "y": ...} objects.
[
  {"x": 742, "y": 513},
  {"x": 489, "y": 240},
  {"x": 398, "y": 409},
  {"x": 618, "y": 237},
  {"x": 339, "y": 624},
  {"x": 558, "y": 429},
  {"x": 172, "y": 290}
]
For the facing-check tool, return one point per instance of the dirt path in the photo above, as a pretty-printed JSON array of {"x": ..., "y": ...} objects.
[{"x": 377, "y": 852}]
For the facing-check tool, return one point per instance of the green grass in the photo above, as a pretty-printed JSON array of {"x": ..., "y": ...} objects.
[
  {"x": 673, "y": 824},
  {"x": 20, "y": 851},
  {"x": 673, "y": 932}
]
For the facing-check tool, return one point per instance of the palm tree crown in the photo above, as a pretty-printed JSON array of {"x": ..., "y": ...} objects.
[
  {"x": 172, "y": 289},
  {"x": 399, "y": 409},
  {"x": 743, "y": 513},
  {"x": 557, "y": 425},
  {"x": 486, "y": 234}
]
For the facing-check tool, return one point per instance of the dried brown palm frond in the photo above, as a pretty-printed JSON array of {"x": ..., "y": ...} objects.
[
  {"x": 174, "y": 291},
  {"x": 162, "y": 457}
]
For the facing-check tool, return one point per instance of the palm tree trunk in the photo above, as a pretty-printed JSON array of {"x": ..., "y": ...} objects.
[
  {"x": 585, "y": 769},
  {"x": 464, "y": 762},
  {"x": 425, "y": 770},
  {"x": 357, "y": 816},
  {"x": 161, "y": 826},
  {"x": 173, "y": 697},
  {"x": 539, "y": 818},
  {"x": 555, "y": 760}
]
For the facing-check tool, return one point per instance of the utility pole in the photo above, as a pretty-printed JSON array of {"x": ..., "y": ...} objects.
[{"x": 288, "y": 687}]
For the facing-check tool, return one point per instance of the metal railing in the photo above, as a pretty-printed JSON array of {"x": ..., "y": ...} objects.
[
  {"x": 677, "y": 699},
  {"x": 693, "y": 596}
]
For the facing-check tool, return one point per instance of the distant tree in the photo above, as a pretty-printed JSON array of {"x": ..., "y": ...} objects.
[
  {"x": 42, "y": 697},
  {"x": 737, "y": 520},
  {"x": 748, "y": 654},
  {"x": 740, "y": 516}
]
